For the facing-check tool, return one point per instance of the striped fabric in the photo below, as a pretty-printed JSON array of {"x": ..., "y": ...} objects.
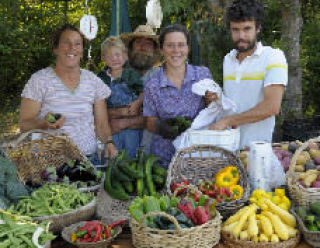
[
  {"x": 244, "y": 83},
  {"x": 46, "y": 87}
]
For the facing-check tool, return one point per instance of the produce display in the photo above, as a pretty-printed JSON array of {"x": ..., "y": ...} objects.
[
  {"x": 95, "y": 231},
  {"x": 139, "y": 176},
  {"x": 223, "y": 188},
  {"x": 73, "y": 172},
  {"x": 187, "y": 211},
  {"x": 19, "y": 231},
  {"x": 52, "y": 199},
  {"x": 272, "y": 224},
  {"x": 278, "y": 197},
  {"x": 311, "y": 216}
]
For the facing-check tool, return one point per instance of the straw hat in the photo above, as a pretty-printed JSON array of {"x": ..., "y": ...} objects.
[{"x": 142, "y": 31}]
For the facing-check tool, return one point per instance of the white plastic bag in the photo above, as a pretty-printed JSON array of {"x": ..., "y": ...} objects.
[{"x": 216, "y": 110}]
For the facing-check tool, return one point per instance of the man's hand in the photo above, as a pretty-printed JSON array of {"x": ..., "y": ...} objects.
[
  {"x": 118, "y": 125},
  {"x": 111, "y": 150},
  {"x": 134, "y": 107},
  {"x": 220, "y": 125}
]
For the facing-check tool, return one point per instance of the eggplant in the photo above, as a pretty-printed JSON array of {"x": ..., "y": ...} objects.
[
  {"x": 74, "y": 174},
  {"x": 64, "y": 170}
]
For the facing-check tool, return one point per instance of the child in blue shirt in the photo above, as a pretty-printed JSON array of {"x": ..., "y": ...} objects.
[{"x": 126, "y": 91}]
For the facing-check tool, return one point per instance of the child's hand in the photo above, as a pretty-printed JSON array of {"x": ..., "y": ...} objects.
[
  {"x": 210, "y": 97},
  {"x": 134, "y": 108}
]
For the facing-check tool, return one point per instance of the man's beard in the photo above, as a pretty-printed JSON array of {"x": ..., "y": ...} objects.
[
  {"x": 251, "y": 45},
  {"x": 141, "y": 61}
]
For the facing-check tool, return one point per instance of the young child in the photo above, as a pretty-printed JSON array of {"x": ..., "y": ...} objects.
[{"x": 126, "y": 92}]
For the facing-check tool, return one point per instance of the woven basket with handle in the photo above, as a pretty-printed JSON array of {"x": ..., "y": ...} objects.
[
  {"x": 202, "y": 162},
  {"x": 230, "y": 241},
  {"x": 34, "y": 156},
  {"x": 203, "y": 236},
  {"x": 312, "y": 238},
  {"x": 300, "y": 195}
]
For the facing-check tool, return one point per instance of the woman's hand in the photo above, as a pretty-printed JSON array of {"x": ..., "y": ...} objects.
[
  {"x": 111, "y": 150},
  {"x": 210, "y": 97},
  {"x": 57, "y": 124}
]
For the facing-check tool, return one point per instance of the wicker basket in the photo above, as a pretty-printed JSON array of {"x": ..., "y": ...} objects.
[
  {"x": 300, "y": 195},
  {"x": 33, "y": 156},
  {"x": 230, "y": 241},
  {"x": 199, "y": 163},
  {"x": 66, "y": 234},
  {"x": 58, "y": 222},
  {"x": 203, "y": 236},
  {"x": 312, "y": 238},
  {"x": 113, "y": 209}
]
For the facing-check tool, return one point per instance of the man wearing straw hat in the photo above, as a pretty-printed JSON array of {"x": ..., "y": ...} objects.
[{"x": 143, "y": 52}]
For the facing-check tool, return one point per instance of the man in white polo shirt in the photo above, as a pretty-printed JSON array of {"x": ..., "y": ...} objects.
[{"x": 254, "y": 75}]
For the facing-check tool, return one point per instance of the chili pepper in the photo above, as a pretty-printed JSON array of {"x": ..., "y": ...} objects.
[
  {"x": 201, "y": 215},
  {"x": 196, "y": 197},
  {"x": 107, "y": 231},
  {"x": 118, "y": 223},
  {"x": 86, "y": 236},
  {"x": 81, "y": 233},
  {"x": 175, "y": 185},
  {"x": 98, "y": 233},
  {"x": 73, "y": 237},
  {"x": 185, "y": 207}
]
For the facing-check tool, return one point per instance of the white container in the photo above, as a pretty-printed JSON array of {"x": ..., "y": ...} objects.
[
  {"x": 227, "y": 139},
  {"x": 260, "y": 165}
]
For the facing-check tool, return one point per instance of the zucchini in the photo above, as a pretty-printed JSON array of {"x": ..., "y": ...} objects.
[
  {"x": 158, "y": 170},
  {"x": 132, "y": 173},
  {"x": 140, "y": 181},
  {"x": 119, "y": 175},
  {"x": 159, "y": 180},
  {"x": 128, "y": 186},
  {"x": 148, "y": 175},
  {"x": 113, "y": 192}
]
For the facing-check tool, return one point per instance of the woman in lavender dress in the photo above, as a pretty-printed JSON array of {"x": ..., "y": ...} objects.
[{"x": 168, "y": 94}]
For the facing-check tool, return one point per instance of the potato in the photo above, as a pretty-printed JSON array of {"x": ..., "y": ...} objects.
[
  {"x": 313, "y": 145},
  {"x": 284, "y": 146},
  {"x": 316, "y": 160},
  {"x": 314, "y": 153},
  {"x": 301, "y": 160},
  {"x": 307, "y": 155},
  {"x": 299, "y": 168}
]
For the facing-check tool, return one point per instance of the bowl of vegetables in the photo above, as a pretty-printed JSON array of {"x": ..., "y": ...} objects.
[{"x": 94, "y": 233}]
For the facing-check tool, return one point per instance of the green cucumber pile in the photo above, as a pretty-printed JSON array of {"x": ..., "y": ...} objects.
[
  {"x": 139, "y": 176},
  {"x": 52, "y": 199}
]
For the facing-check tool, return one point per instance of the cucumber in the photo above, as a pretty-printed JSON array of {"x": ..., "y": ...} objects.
[
  {"x": 128, "y": 186},
  {"x": 119, "y": 175},
  {"x": 158, "y": 170},
  {"x": 140, "y": 181},
  {"x": 132, "y": 173},
  {"x": 159, "y": 180},
  {"x": 148, "y": 175},
  {"x": 117, "y": 193}
]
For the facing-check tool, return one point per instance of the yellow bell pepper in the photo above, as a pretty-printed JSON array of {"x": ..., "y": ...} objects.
[
  {"x": 280, "y": 192},
  {"x": 237, "y": 191},
  {"x": 232, "y": 171},
  {"x": 224, "y": 180},
  {"x": 73, "y": 237}
]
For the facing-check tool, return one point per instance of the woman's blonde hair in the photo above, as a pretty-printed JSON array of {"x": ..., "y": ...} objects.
[{"x": 112, "y": 41}]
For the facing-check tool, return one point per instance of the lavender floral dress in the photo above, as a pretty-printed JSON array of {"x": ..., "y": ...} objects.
[{"x": 164, "y": 100}]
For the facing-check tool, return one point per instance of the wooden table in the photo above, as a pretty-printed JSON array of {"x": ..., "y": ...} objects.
[{"x": 124, "y": 241}]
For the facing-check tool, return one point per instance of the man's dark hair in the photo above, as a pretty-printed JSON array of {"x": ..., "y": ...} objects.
[
  {"x": 59, "y": 32},
  {"x": 176, "y": 27},
  {"x": 245, "y": 10}
]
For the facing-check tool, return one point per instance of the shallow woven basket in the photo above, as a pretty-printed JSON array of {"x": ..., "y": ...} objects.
[
  {"x": 66, "y": 234},
  {"x": 58, "y": 222},
  {"x": 202, "y": 162},
  {"x": 203, "y": 236},
  {"x": 33, "y": 156},
  {"x": 312, "y": 238},
  {"x": 301, "y": 196},
  {"x": 110, "y": 208},
  {"x": 231, "y": 241}
]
